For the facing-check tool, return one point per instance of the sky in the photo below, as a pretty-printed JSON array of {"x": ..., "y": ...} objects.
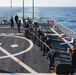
[{"x": 43, "y": 3}]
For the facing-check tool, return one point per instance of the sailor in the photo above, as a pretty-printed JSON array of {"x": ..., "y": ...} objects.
[
  {"x": 16, "y": 19},
  {"x": 49, "y": 44},
  {"x": 18, "y": 25},
  {"x": 43, "y": 44},
  {"x": 73, "y": 61},
  {"x": 12, "y": 22},
  {"x": 51, "y": 56},
  {"x": 26, "y": 28}
]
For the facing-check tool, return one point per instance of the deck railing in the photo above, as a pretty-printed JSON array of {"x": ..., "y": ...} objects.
[
  {"x": 57, "y": 26},
  {"x": 69, "y": 34},
  {"x": 61, "y": 29}
]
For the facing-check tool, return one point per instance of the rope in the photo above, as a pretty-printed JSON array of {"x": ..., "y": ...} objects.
[{"x": 39, "y": 39}]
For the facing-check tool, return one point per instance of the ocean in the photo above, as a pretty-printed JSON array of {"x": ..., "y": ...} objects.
[{"x": 64, "y": 15}]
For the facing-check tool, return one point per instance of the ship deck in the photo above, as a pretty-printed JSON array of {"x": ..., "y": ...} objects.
[{"x": 20, "y": 56}]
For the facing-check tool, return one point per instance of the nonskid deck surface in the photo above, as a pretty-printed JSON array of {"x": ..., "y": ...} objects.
[{"x": 19, "y": 55}]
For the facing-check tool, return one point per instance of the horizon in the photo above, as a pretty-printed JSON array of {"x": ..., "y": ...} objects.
[{"x": 40, "y": 6}]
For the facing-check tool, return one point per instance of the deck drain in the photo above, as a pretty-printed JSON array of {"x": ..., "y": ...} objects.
[
  {"x": 34, "y": 63},
  {"x": 33, "y": 52},
  {"x": 16, "y": 70}
]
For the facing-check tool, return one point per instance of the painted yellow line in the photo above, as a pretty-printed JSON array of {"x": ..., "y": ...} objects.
[{"x": 18, "y": 61}]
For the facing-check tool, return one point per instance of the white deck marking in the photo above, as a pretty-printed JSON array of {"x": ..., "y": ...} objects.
[
  {"x": 9, "y": 27},
  {"x": 28, "y": 74},
  {"x": 62, "y": 38},
  {"x": 24, "y": 51},
  {"x": 5, "y": 27},
  {"x": 19, "y": 34},
  {"x": 17, "y": 60},
  {"x": 14, "y": 45},
  {"x": 3, "y": 33},
  {"x": 0, "y": 43},
  {"x": 10, "y": 34}
]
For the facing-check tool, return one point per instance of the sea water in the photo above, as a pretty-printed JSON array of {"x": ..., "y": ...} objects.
[{"x": 63, "y": 15}]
